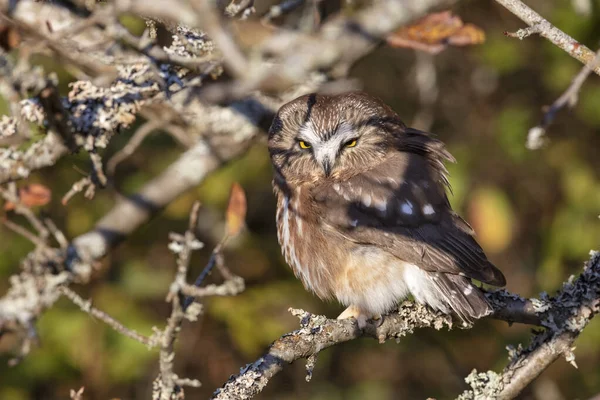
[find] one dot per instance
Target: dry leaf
(434, 32)
(467, 35)
(236, 210)
(9, 37)
(31, 195)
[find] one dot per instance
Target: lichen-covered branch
(563, 316)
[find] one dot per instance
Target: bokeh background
(535, 212)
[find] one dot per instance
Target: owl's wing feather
(401, 206)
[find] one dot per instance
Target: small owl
(362, 211)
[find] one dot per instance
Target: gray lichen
(484, 385)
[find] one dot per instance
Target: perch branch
(318, 333)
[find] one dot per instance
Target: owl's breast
(313, 253)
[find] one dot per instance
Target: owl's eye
(304, 145)
(351, 143)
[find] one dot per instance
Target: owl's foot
(356, 313)
(377, 319)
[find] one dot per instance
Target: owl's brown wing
(401, 206)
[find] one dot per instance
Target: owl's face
(317, 136)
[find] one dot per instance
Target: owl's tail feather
(464, 298)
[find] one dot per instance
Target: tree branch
(87, 307)
(575, 304)
(569, 312)
(536, 135)
(537, 24)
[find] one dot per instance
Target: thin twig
(156, 53)
(98, 168)
(210, 21)
(536, 135)
(19, 208)
(188, 382)
(212, 262)
(24, 232)
(84, 183)
(525, 32)
(85, 63)
(133, 144)
(167, 383)
(57, 233)
(545, 29)
(87, 307)
(230, 287)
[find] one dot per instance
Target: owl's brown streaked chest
(309, 249)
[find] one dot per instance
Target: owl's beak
(327, 167)
(324, 157)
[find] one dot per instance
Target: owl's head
(317, 136)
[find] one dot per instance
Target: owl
(363, 214)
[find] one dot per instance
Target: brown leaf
(467, 35)
(236, 210)
(9, 37)
(434, 32)
(31, 195)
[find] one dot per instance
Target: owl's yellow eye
(304, 145)
(351, 143)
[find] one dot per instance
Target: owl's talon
(356, 313)
(362, 321)
(377, 320)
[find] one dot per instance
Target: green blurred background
(535, 212)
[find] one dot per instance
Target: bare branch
(133, 144)
(537, 24)
(168, 383)
(230, 287)
(21, 209)
(535, 137)
(23, 232)
(87, 307)
(209, 20)
(84, 183)
(525, 32)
